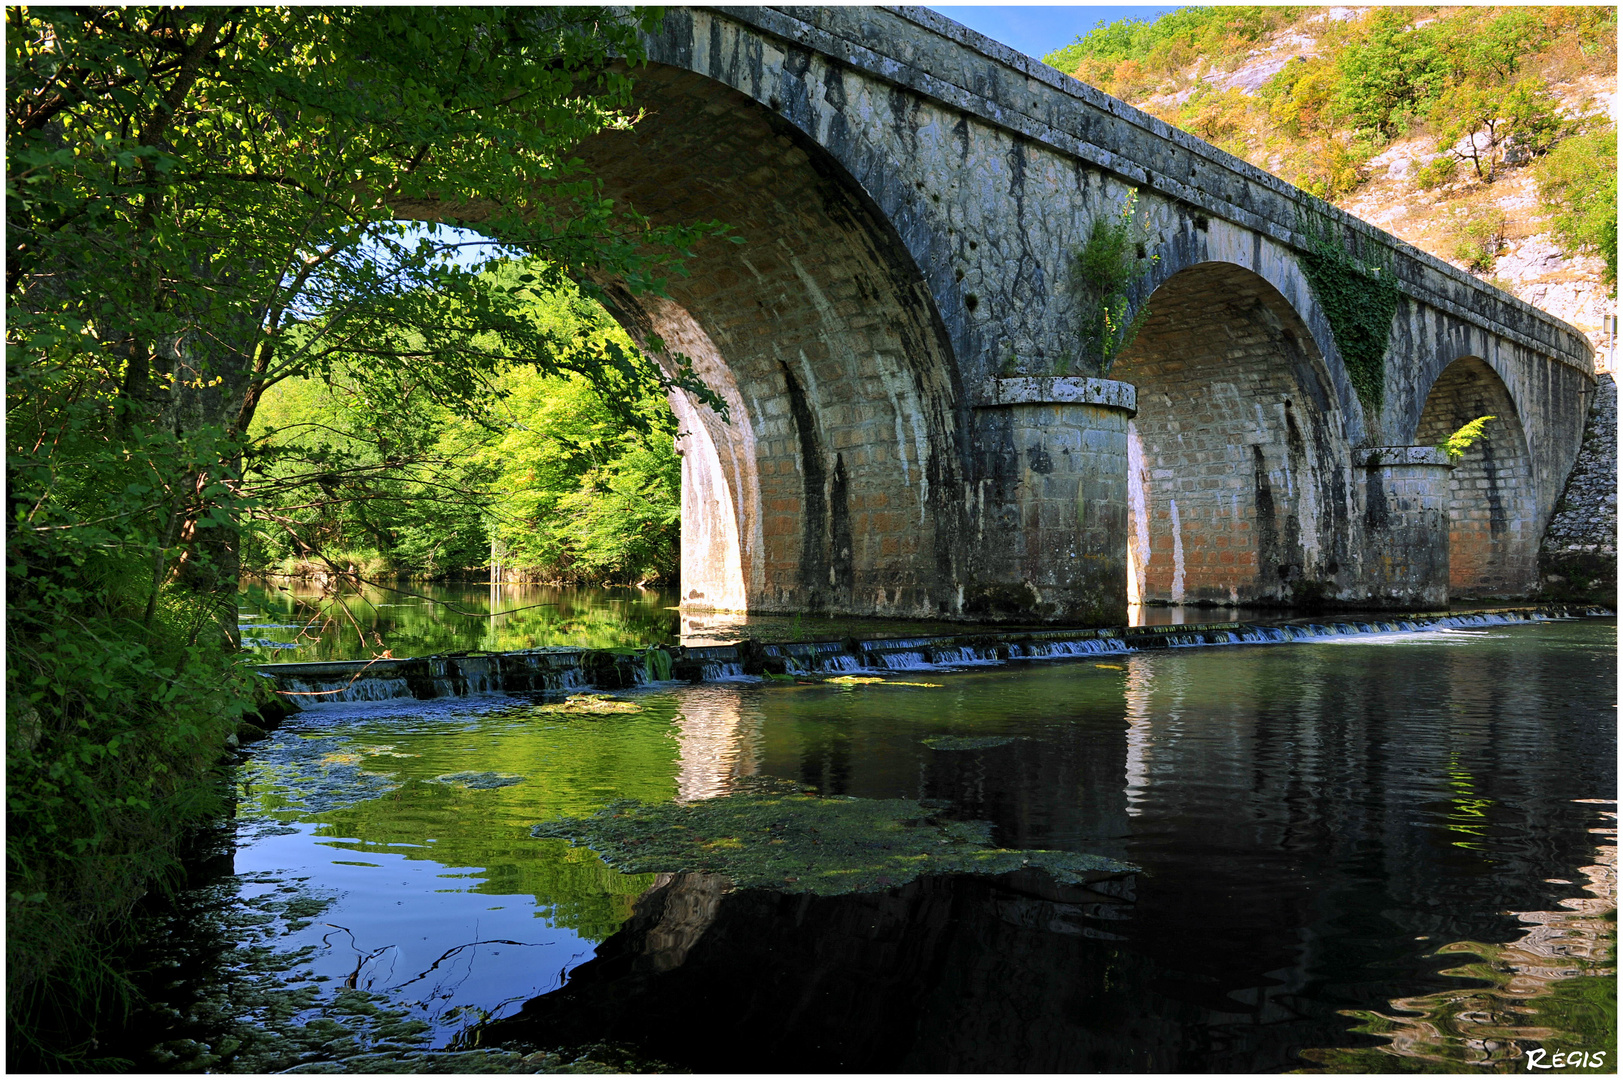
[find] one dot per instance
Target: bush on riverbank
(112, 727)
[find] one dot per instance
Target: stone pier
(894, 322)
(1406, 526)
(1051, 454)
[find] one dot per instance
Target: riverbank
(101, 808)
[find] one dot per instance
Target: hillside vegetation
(1481, 135)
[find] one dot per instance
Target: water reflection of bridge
(1312, 815)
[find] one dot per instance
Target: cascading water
(560, 669)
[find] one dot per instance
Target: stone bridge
(911, 430)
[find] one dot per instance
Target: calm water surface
(1320, 825)
(286, 620)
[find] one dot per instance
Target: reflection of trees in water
(1554, 987)
(348, 620)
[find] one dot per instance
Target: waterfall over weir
(563, 669)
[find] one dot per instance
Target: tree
(1577, 185)
(180, 204)
(1477, 123)
(201, 203)
(1391, 73)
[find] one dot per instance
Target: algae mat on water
(803, 843)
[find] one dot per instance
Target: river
(1359, 854)
(289, 620)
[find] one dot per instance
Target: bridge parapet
(929, 54)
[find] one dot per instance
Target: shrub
(113, 724)
(1478, 238)
(1326, 166)
(1215, 116)
(1577, 183)
(1301, 96)
(1109, 265)
(1437, 172)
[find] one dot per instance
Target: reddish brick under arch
(1493, 531)
(1241, 491)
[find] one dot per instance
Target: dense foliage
(203, 203)
(1578, 188)
(544, 474)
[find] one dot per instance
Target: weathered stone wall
(1579, 553)
(1051, 455)
(910, 198)
(1244, 475)
(836, 466)
(1406, 534)
(1493, 510)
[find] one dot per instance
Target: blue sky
(1038, 30)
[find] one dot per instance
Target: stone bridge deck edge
(1253, 199)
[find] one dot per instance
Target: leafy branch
(1108, 269)
(1458, 443)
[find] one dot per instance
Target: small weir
(564, 669)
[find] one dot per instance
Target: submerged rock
(478, 781)
(802, 843)
(590, 705)
(968, 742)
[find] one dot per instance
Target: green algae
(802, 843)
(589, 705)
(968, 742)
(478, 781)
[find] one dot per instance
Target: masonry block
(1406, 535)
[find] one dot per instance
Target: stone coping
(855, 36)
(1060, 390)
(1376, 457)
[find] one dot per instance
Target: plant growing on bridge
(1458, 443)
(1110, 266)
(1359, 298)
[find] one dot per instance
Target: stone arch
(1191, 241)
(1493, 520)
(837, 484)
(1238, 458)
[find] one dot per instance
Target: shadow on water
(947, 973)
(1336, 839)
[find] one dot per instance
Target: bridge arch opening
(1493, 532)
(1237, 464)
(836, 483)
